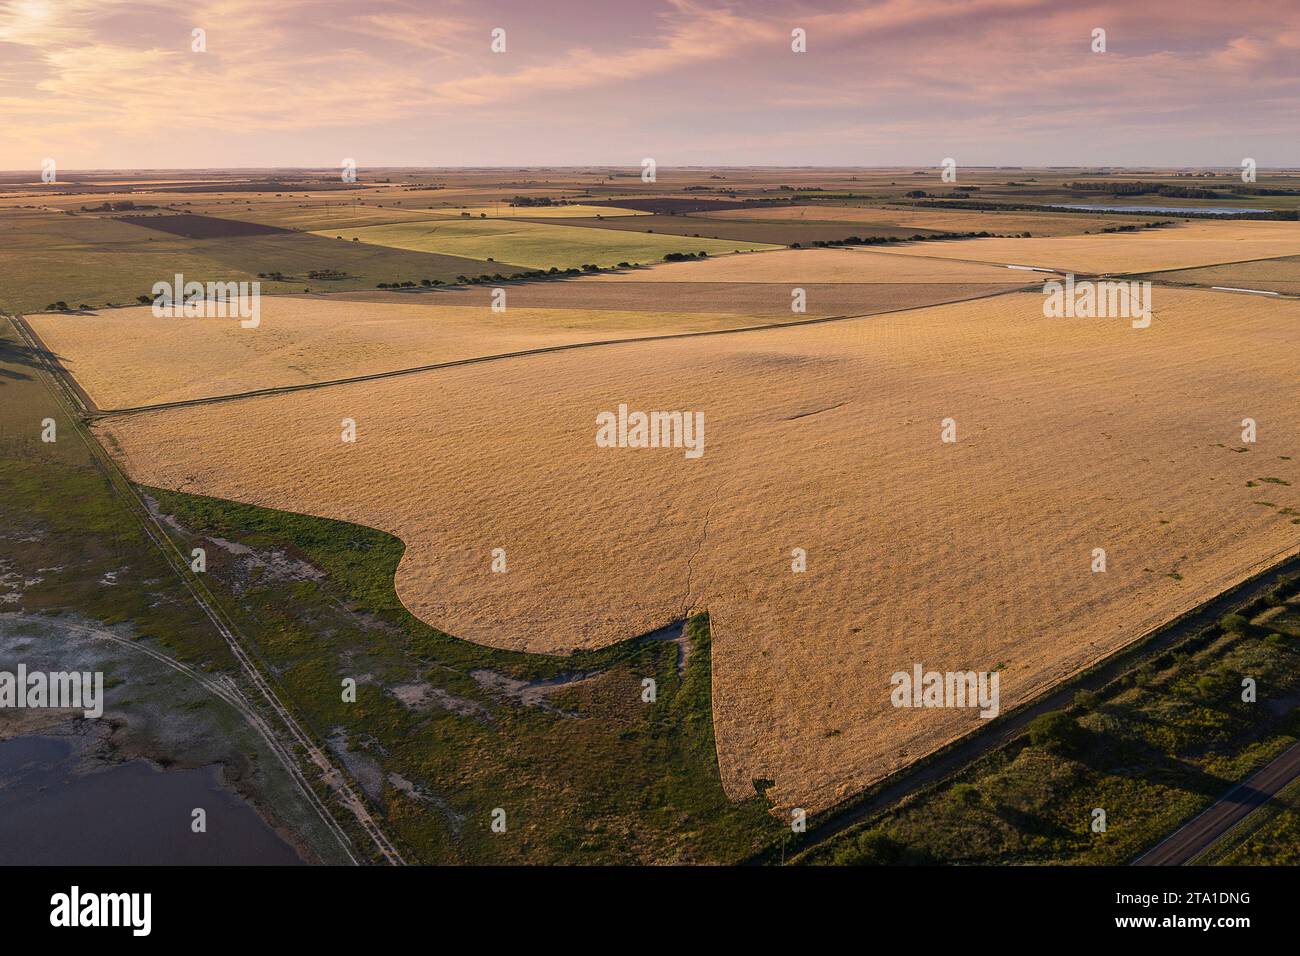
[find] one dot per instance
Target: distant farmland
(1181, 246)
(779, 232)
(202, 227)
(46, 256)
(537, 245)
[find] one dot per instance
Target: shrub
(1234, 624)
(1054, 730)
(872, 848)
(966, 793)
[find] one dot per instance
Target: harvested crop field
(1171, 247)
(127, 358)
(504, 210)
(759, 300)
(1268, 275)
(798, 266)
(872, 219)
(1072, 435)
(202, 227)
(536, 245)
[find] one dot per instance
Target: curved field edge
(443, 731)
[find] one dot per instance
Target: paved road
(1007, 727)
(1230, 809)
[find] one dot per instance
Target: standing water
(54, 812)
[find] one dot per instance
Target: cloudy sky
(116, 84)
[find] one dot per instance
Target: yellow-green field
(47, 256)
(537, 245)
(504, 210)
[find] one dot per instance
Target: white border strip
(1225, 288)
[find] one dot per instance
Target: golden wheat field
(795, 266)
(1270, 275)
(1072, 435)
(126, 358)
(757, 300)
(1181, 246)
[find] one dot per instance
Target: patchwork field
(503, 210)
(1072, 435)
(50, 256)
(127, 358)
(872, 220)
(537, 245)
(324, 215)
(1172, 247)
(192, 226)
(775, 231)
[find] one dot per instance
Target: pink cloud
(296, 82)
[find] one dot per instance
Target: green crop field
(750, 231)
(538, 245)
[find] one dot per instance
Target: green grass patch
(588, 773)
(539, 245)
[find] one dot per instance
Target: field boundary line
(98, 413)
(1078, 272)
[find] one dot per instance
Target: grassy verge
(70, 548)
(1151, 749)
(1270, 836)
(443, 732)
(68, 544)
